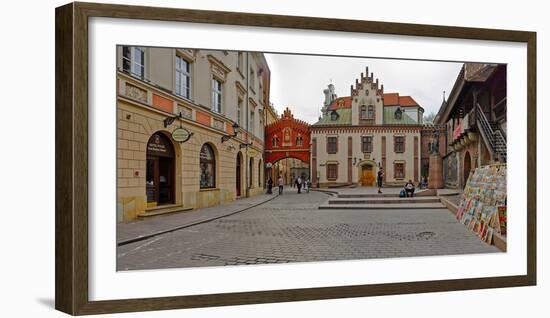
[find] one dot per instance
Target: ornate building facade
(474, 117)
(218, 98)
(287, 148)
(360, 134)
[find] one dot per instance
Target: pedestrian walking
(281, 183)
(270, 186)
(307, 185)
(379, 179)
(299, 184)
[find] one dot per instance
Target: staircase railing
(494, 137)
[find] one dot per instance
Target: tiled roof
(393, 99)
(405, 101)
(390, 99)
(344, 117)
(340, 102)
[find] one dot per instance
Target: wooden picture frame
(71, 122)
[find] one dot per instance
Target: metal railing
(492, 133)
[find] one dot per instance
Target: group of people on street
(300, 183)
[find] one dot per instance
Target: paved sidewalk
(128, 232)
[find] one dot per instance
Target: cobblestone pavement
(290, 228)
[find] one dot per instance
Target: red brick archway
(287, 138)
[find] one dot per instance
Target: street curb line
(325, 191)
(179, 227)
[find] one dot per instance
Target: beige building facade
(366, 132)
(217, 98)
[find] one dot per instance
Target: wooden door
(367, 175)
(238, 175)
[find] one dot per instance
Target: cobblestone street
(291, 228)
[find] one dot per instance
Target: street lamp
(235, 132)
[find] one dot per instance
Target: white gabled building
(357, 135)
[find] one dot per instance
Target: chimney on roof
(382, 88)
(376, 83)
(367, 71)
(371, 75)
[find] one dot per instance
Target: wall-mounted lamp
(168, 121)
(235, 132)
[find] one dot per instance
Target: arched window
(299, 141)
(370, 112)
(275, 141)
(207, 167)
(363, 113)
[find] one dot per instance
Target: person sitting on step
(409, 188)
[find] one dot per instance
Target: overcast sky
(298, 81)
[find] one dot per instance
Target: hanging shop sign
(181, 135)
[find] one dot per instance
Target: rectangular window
(251, 80)
(366, 143)
(239, 111)
(251, 124)
(216, 96)
(240, 61)
(363, 113)
(332, 171)
(183, 77)
(399, 170)
(133, 60)
(399, 144)
(332, 144)
(370, 113)
(260, 91)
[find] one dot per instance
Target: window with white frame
(366, 143)
(251, 123)
(217, 87)
(133, 60)
(183, 77)
(239, 111)
(252, 79)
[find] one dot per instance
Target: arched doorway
(367, 174)
(238, 174)
(467, 167)
(159, 175)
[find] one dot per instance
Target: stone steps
(384, 200)
(382, 206)
(369, 195)
(160, 210)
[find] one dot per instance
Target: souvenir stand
(482, 207)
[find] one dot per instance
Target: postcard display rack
(482, 207)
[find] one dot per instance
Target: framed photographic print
(211, 158)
